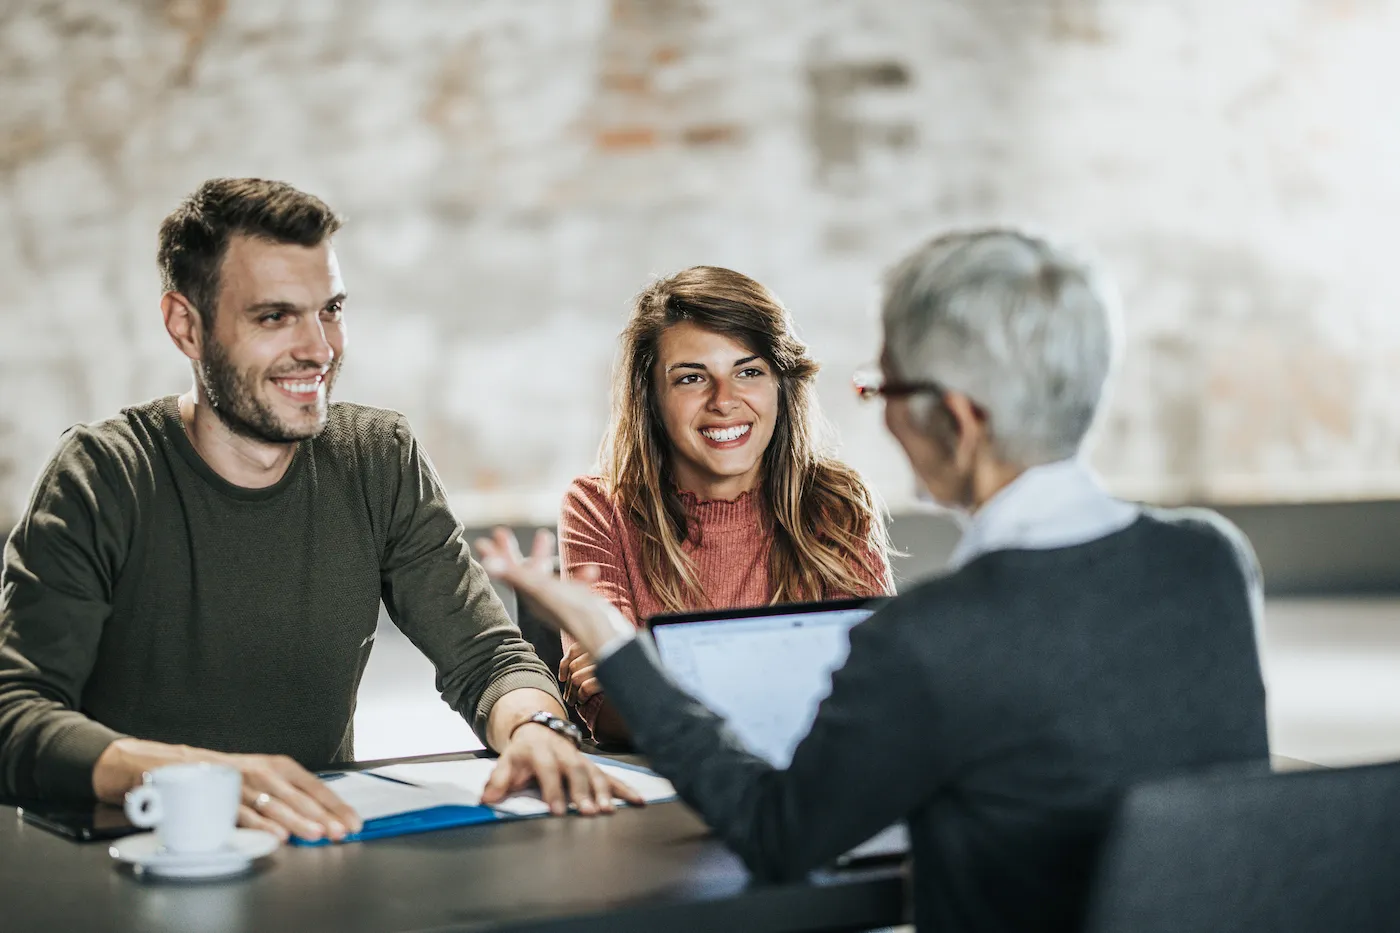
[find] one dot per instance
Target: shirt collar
(1055, 505)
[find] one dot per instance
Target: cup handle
(142, 806)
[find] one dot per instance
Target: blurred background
(513, 171)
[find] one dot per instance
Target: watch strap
(555, 724)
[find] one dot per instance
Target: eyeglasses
(870, 385)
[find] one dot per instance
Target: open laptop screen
(764, 670)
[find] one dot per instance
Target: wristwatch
(557, 725)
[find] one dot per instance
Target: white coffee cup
(193, 807)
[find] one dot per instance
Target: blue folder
(422, 821)
(418, 821)
(414, 821)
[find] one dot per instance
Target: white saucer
(145, 852)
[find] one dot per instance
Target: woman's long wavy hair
(826, 521)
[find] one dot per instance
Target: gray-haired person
(1076, 644)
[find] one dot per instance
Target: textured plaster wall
(514, 170)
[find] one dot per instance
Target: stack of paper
(462, 782)
(374, 798)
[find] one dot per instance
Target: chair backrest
(1242, 850)
(543, 638)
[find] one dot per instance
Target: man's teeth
(726, 434)
(303, 388)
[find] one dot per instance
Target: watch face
(568, 728)
(561, 726)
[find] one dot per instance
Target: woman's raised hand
(564, 604)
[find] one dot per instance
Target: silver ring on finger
(261, 800)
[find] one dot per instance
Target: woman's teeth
(726, 434)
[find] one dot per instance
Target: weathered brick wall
(514, 170)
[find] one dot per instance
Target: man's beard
(234, 399)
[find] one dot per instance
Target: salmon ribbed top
(728, 542)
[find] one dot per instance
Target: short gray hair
(1024, 328)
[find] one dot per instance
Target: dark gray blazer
(1001, 710)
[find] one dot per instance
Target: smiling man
(199, 578)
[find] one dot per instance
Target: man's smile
(302, 387)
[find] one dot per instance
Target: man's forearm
(514, 708)
(46, 749)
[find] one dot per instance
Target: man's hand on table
(536, 754)
(279, 795)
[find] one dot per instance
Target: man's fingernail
(337, 829)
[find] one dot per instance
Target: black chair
(544, 639)
(1244, 850)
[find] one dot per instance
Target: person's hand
(564, 774)
(569, 605)
(578, 674)
(279, 795)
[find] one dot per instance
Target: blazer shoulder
(1204, 527)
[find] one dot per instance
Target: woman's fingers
(500, 556)
(542, 551)
(508, 544)
(579, 675)
(568, 605)
(496, 563)
(581, 665)
(566, 663)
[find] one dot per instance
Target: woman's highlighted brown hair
(825, 519)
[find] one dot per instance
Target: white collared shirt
(1055, 505)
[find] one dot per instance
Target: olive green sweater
(144, 595)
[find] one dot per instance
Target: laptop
(766, 670)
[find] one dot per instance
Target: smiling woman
(715, 490)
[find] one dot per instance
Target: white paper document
(373, 797)
(463, 781)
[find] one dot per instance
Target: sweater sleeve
(587, 535)
(60, 565)
(861, 768)
(440, 597)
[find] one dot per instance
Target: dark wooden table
(653, 869)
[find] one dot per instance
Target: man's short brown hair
(195, 236)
